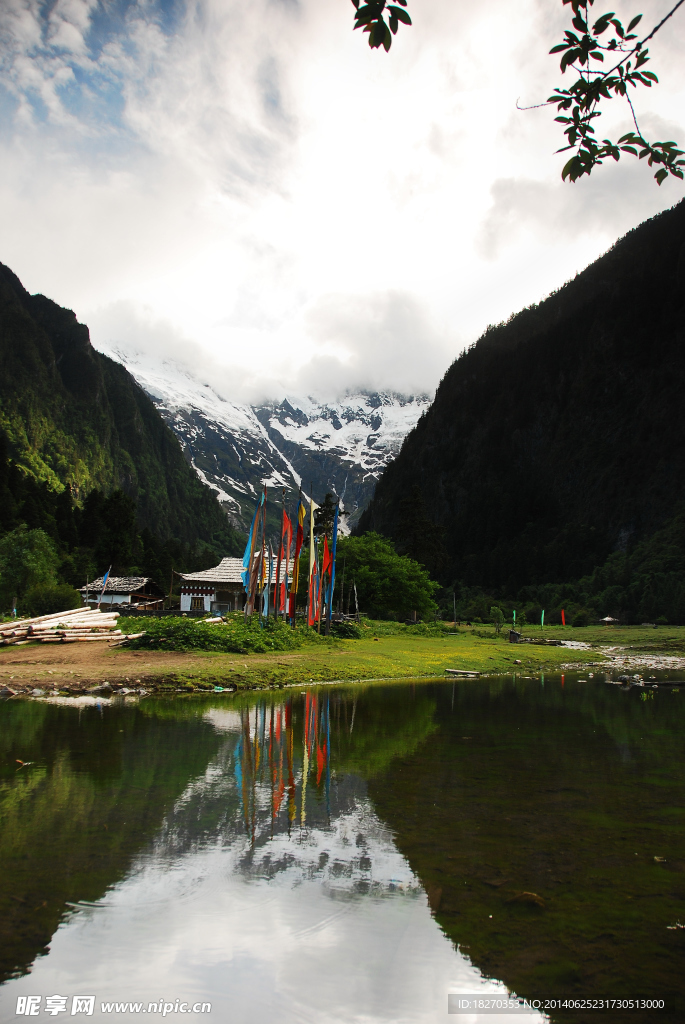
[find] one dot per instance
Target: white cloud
(289, 205)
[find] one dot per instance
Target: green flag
(542, 618)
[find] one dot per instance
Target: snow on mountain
(340, 446)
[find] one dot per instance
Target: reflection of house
(137, 590)
(216, 590)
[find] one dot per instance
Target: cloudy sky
(246, 187)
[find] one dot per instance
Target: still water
(344, 854)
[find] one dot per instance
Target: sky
(249, 190)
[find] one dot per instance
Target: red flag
(327, 559)
(301, 512)
(563, 618)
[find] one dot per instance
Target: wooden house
(216, 590)
(139, 591)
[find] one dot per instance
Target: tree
(324, 516)
(417, 536)
(28, 558)
(497, 618)
(390, 586)
(582, 52)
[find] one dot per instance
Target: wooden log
(75, 632)
(54, 617)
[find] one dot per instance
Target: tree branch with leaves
(583, 51)
(371, 17)
(579, 106)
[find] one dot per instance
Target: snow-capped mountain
(340, 446)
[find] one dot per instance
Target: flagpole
(104, 586)
(277, 592)
(329, 610)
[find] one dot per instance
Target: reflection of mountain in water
(278, 804)
(108, 786)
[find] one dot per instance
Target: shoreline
(75, 669)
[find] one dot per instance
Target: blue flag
(245, 574)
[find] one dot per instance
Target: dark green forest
(550, 469)
(74, 417)
(50, 544)
(90, 475)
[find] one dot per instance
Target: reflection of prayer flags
(319, 763)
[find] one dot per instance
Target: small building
(216, 590)
(139, 591)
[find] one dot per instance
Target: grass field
(386, 651)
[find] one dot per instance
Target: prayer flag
(326, 557)
(299, 537)
(332, 583)
(249, 547)
(563, 618)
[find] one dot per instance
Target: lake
(345, 854)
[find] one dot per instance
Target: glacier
(295, 442)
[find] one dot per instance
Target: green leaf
(660, 175)
(559, 47)
(400, 15)
(602, 24)
(634, 22)
(387, 39)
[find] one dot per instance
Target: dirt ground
(82, 665)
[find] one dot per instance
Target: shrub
(346, 630)
(44, 599)
(581, 618)
(169, 633)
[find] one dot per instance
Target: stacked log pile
(77, 625)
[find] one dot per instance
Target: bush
(44, 599)
(28, 559)
(581, 618)
(169, 633)
(346, 630)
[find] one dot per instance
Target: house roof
(227, 571)
(118, 584)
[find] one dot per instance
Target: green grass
(387, 650)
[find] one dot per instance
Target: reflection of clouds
(312, 942)
(315, 917)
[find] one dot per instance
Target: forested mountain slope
(559, 437)
(72, 416)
